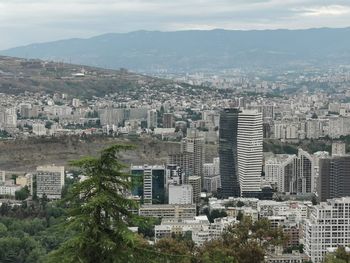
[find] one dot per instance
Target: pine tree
(98, 211)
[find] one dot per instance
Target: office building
(250, 152)
(149, 183)
(228, 153)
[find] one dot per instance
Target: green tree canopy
(98, 211)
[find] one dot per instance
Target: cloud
(27, 21)
(331, 10)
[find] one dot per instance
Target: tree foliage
(98, 211)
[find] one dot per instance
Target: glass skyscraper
(228, 152)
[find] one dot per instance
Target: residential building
(195, 182)
(338, 149)
(152, 119)
(39, 129)
(168, 211)
(327, 227)
(49, 181)
(168, 120)
(180, 194)
(334, 177)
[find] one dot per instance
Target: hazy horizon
(165, 31)
(35, 21)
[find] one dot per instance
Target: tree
(239, 215)
(22, 194)
(240, 204)
(216, 214)
(98, 211)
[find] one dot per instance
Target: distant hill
(19, 75)
(149, 51)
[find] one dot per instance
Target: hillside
(25, 155)
(19, 75)
(149, 51)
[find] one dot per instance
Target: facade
(250, 152)
(327, 227)
(228, 153)
(180, 194)
(49, 181)
(334, 177)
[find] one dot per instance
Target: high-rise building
(49, 181)
(228, 152)
(334, 177)
(195, 182)
(250, 152)
(327, 227)
(299, 174)
(192, 155)
(211, 176)
(152, 119)
(168, 120)
(194, 145)
(149, 183)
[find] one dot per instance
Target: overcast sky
(28, 21)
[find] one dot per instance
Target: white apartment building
(180, 194)
(152, 121)
(168, 211)
(195, 182)
(200, 227)
(250, 151)
(9, 190)
(274, 172)
(327, 227)
(39, 129)
(50, 181)
(338, 149)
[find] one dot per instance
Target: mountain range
(197, 50)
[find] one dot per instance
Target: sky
(31, 21)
